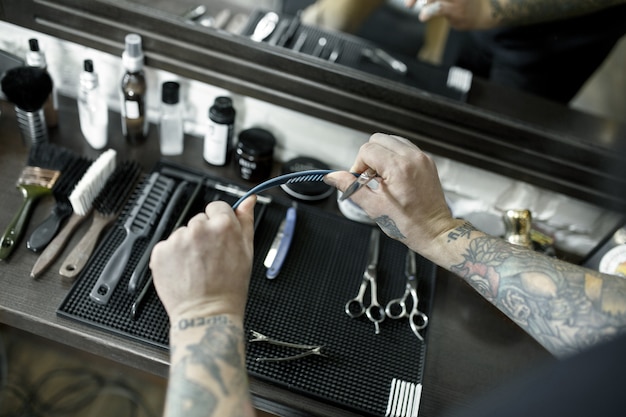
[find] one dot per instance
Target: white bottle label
(132, 109)
(216, 144)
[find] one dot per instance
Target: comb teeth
(50, 156)
(117, 189)
(156, 194)
(38, 176)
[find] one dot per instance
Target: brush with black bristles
(61, 190)
(107, 207)
(29, 88)
(81, 199)
(44, 166)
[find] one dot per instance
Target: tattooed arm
(487, 14)
(201, 273)
(563, 306)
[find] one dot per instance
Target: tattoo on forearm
(464, 230)
(389, 227)
(532, 11)
(566, 308)
(218, 354)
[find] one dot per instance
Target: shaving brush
(28, 89)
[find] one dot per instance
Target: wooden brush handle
(78, 257)
(15, 229)
(52, 251)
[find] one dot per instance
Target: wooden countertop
(472, 347)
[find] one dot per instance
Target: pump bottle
(133, 92)
(92, 108)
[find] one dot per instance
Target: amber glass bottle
(133, 93)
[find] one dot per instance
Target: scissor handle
(418, 321)
(396, 308)
(355, 308)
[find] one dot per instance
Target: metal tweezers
(308, 349)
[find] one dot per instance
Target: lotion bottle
(219, 134)
(35, 57)
(93, 112)
(171, 133)
(133, 92)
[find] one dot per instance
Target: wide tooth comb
(107, 205)
(45, 164)
(138, 225)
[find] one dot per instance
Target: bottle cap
(170, 92)
(222, 110)
(34, 57)
(88, 78)
(88, 65)
(257, 142)
(132, 58)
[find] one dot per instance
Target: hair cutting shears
(397, 308)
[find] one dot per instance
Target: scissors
(397, 308)
(355, 307)
(365, 177)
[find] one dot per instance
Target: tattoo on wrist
(462, 231)
(389, 227)
(189, 323)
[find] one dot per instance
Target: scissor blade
(410, 266)
(374, 248)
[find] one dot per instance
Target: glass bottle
(171, 133)
(93, 112)
(133, 92)
(218, 140)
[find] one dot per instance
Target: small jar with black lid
(255, 154)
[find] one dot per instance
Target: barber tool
(397, 309)
(308, 350)
(316, 175)
(334, 55)
(404, 399)
(142, 266)
(81, 199)
(45, 163)
(265, 27)
(28, 88)
(135, 309)
(380, 57)
(61, 190)
(365, 177)
(355, 307)
(299, 43)
(288, 35)
(282, 27)
(280, 246)
(107, 206)
(319, 48)
(137, 225)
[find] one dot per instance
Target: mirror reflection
(538, 47)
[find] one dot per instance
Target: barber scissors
(397, 308)
(355, 307)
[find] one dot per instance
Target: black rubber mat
(303, 305)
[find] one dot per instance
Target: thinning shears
(355, 307)
(397, 308)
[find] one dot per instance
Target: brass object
(518, 224)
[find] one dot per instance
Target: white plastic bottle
(93, 112)
(171, 135)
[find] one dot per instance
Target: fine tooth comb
(138, 224)
(81, 199)
(314, 175)
(61, 190)
(107, 205)
(45, 164)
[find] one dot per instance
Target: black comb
(61, 190)
(108, 205)
(138, 225)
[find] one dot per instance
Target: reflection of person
(546, 47)
(201, 274)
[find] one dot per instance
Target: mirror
(382, 37)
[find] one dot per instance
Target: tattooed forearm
(462, 231)
(565, 307)
(511, 12)
(208, 375)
